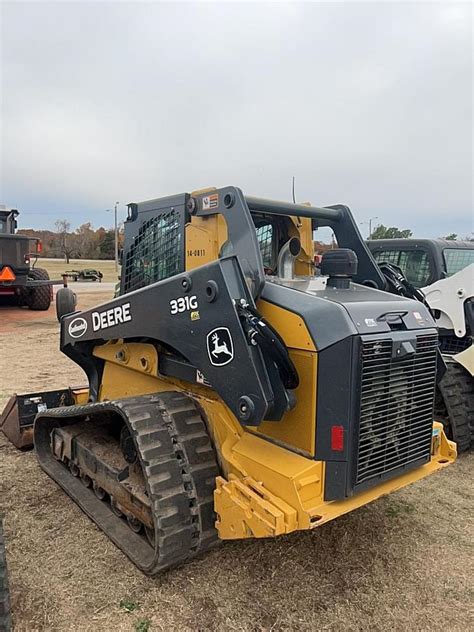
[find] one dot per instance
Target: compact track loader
(233, 395)
(440, 274)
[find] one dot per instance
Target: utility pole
(369, 222)
(116, 237)
(370, 225)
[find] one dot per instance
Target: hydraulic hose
(261, 333)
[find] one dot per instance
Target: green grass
(140, 625)
(128, 605)
(56, 267)
(399, 509)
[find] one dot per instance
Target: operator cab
(424, 261)
(8, 221)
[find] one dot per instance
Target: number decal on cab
(183, 304)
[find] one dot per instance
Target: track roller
(99, 491)
(115, 507)
(86, 480)
(73, 468)
(135, 525)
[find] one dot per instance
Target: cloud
(367, 104)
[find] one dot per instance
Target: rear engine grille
(396, 408)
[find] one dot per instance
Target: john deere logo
(220, 347)
(77, 327)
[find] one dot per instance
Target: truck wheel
(39, 298)
(5, 619)
(454, 404)
(65, 302)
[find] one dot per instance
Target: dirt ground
(404, 562)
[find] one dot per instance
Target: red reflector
(337, 438)
(7, 274)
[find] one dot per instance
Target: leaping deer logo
(220, 347)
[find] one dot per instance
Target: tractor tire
(65, 302)
(5, 618)
(39, 298)
(454, 404)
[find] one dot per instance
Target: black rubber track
(455, 404)
(5, 620)
(179, 467)
(39, 298)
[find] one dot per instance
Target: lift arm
(203, 321)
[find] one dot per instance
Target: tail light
(39, 246)
(337, 438)
(27, 259)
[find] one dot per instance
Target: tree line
(392, 232)
(84, 242)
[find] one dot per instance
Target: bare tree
(65, 245)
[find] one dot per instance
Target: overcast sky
(367, 104)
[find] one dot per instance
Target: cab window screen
(390, 256)
(414, 264)
(457, 259)
(265, 241)
(156, 253)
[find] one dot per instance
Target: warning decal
(210, 201)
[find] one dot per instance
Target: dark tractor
(20, 282)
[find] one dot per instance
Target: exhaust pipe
(286, 258)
